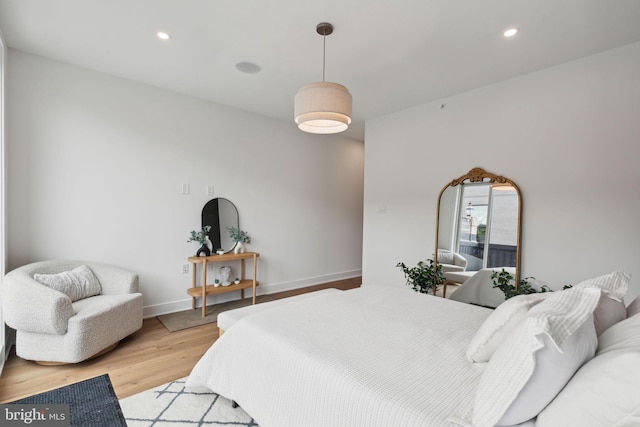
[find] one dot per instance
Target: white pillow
(497, 326)
(509, 314)
(611, 308)
(608, 312)
(604, 392)
(445, 257)
(634, 307)
(615, 284)
(77, 284)
(623, 335)
(537, 359)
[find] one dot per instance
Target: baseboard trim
(298, 286)
(303, 283)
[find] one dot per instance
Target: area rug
(91, 403)
(191, 318)
(172, 405)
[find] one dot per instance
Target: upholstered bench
(226, 319)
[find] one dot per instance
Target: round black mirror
(220, 213)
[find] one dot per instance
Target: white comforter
(372, 356)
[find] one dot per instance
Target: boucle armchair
(451, 261)
(53, 329)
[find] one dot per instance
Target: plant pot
(203, 251)
(238, 248)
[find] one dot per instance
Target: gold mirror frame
(479, 175)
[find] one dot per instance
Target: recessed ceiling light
(511, 32)
(248, 67)
(163, 35)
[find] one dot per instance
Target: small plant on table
(199, 236)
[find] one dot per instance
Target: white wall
(4, 345)
(96, 166)
(569, 136)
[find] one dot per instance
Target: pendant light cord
(324, 52)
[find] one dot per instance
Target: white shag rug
(171, 405)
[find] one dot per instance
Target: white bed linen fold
(371, 356)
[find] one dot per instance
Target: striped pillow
(538, 358)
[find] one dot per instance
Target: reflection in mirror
(478, 225)
(220, 213)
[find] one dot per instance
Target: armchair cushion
(445, 257)
(77, 284)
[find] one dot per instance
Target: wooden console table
(203, 290)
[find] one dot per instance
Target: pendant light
(323, 107)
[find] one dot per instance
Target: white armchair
(53, 329)
(451, 261)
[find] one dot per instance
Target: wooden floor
(150, 357)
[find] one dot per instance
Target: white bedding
(371, 356)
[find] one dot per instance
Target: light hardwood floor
(150, 357)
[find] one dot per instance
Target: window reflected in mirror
(487, 231)
(478, 224)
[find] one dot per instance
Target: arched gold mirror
(478, 225)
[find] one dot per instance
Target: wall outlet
(185, 268)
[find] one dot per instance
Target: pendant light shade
(323, 107)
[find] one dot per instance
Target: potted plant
(237, 281)
(504, 281)
(424, 278)
(240, 238)
(201, 237)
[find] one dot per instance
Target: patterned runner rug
(171, 405)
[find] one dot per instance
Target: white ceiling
(391, 55)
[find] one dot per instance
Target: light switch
(185, 189)
(209, 190)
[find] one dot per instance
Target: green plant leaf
(423, 278)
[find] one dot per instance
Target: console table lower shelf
(213, 290)
(202, 290)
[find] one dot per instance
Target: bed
(387, 356)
